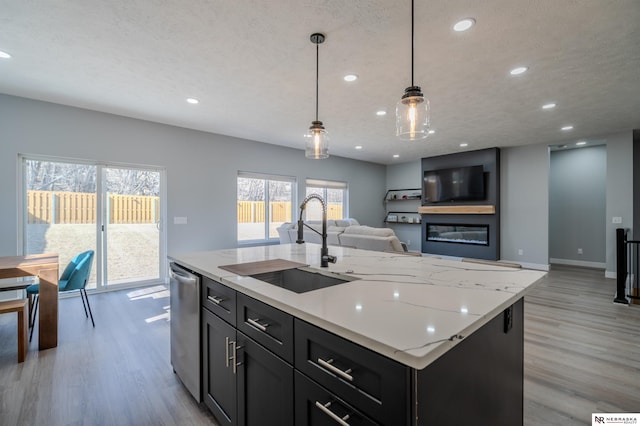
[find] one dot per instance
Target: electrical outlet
(408, 242)
(520, 252)
(180, 220)
(579, 251)
(616, 219)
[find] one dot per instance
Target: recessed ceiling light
(549, 106)
(381, 112)
(193, 101)
(581, 143)
(431, 131)
(4, 55)
(518, 71)
(464, 24)
(358, 146)
(565, 128)
(396, 155)
(464, 145)
(350, 77)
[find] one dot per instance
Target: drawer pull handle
(328, 365)
(216, 300)
(256, 324)
(325, 409)
(226, 351)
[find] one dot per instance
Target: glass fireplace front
(460, 234)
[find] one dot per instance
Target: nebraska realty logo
(615, 419)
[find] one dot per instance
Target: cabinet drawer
(267, 325)
(219, 299)
(372, 383)
(316, 406)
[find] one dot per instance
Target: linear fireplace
(458, 233)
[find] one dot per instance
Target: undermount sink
(301, 280)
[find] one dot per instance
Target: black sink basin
(303, 280)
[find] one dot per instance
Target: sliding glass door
(132, 225)
(71, 207)
(60, 210)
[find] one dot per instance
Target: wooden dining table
(45, 267)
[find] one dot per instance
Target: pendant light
(412, 111)
(317, 139)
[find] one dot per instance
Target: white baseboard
(527, 265)
(583, 263)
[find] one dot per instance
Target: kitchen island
(410, 341)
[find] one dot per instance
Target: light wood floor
(116, 374)
(582, 355)
(582, 351)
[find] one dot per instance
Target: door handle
(235, 356)
(226, 351)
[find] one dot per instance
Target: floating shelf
(483, 209)
(403, 194)
(403, 217)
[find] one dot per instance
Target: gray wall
(524, 192)
(619, 192)
(636, 181)
(201, 167)
(577, 206)
(406, 176)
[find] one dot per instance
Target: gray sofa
(345, 232)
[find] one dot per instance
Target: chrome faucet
(325, 257)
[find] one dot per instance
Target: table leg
(48, 321)
(23, 343)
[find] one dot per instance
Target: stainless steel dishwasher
(184, 288)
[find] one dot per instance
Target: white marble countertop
(410, 309)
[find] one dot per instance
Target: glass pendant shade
(317, 142)
(412, 115)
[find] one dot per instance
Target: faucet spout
(325, 257)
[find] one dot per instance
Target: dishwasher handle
(180, 274)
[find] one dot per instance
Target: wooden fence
(60, 207)
(253, 211)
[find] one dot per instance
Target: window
(70, 206)
(264, 203)
(335, 196)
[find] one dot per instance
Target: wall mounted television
(454, 184)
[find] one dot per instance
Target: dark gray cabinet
(267, 325)
(219, 386)
(265, 386)
(261, 366)
(316, 406)
(244, 384)
(370, 382)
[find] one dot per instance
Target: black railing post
(621, 266)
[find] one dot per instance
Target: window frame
(101, 215)
(267, 178)
(323, 185)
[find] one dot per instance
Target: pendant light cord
(317, 75)
(412, 43)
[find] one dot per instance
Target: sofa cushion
(368, 230)
(371, 242)
(346, 222)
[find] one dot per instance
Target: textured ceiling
(252, 66)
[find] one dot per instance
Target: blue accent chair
(74, 277)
